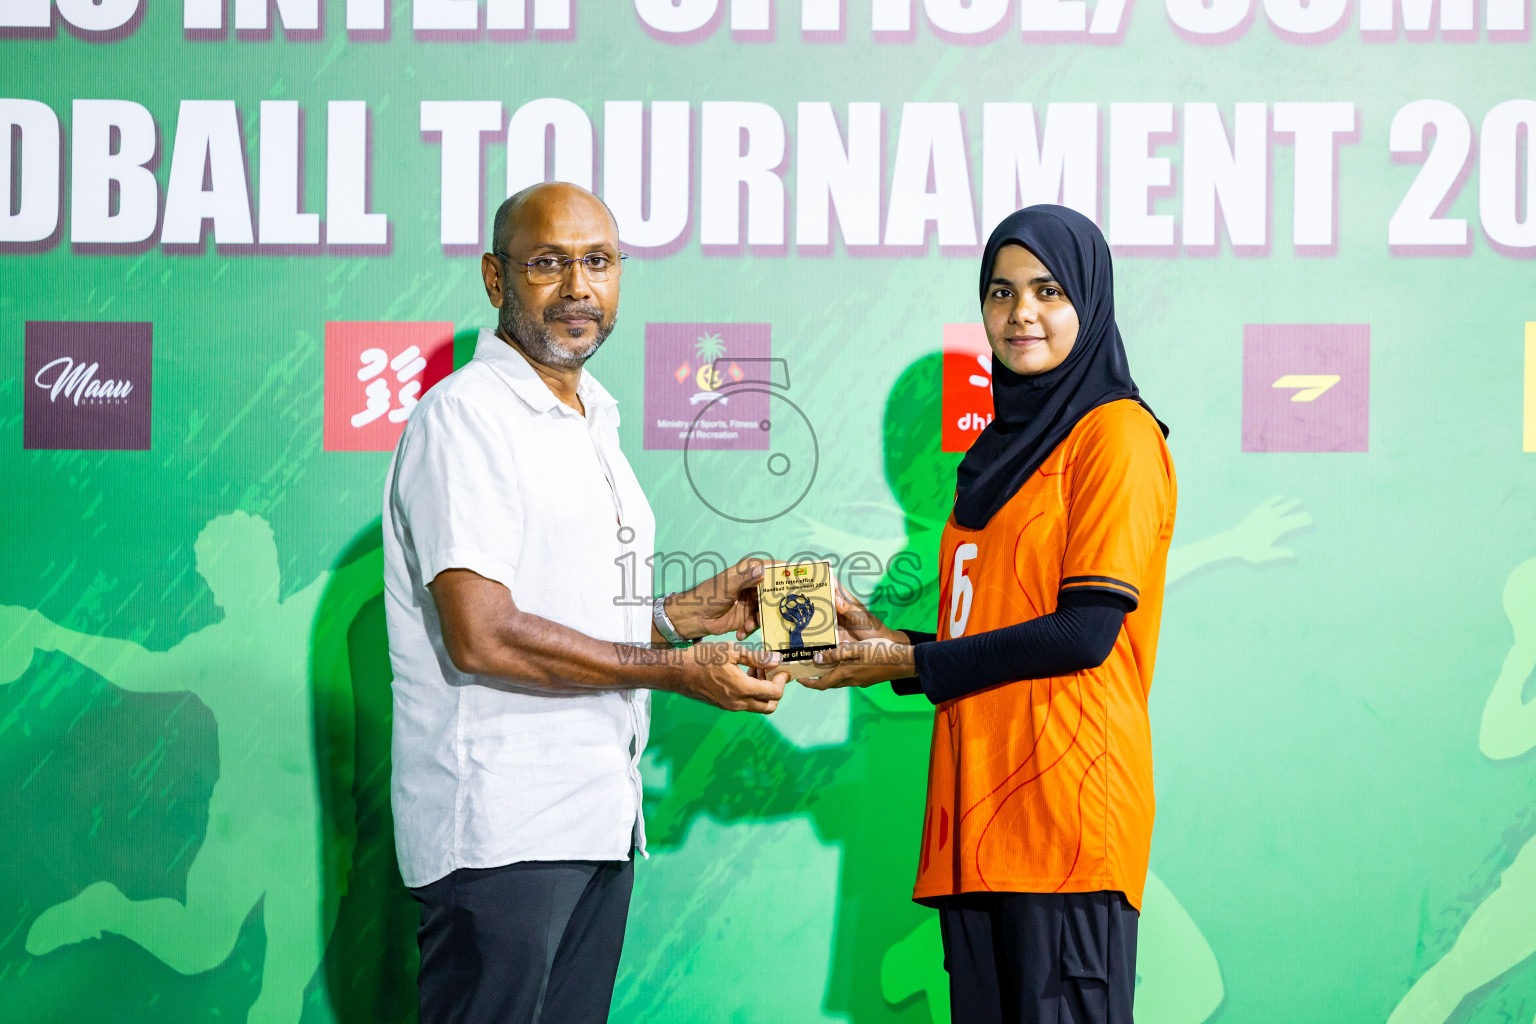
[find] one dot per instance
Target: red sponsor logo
(375, 373)
(967, 385)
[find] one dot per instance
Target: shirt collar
(510, 365)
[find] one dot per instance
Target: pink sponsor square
(1306, 387)
(87, 386)
(703, 386)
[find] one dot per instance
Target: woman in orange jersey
(1039, 820)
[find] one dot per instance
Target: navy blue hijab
(1033, 414)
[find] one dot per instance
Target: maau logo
(375, 373)
(75, 381)
(89, 385)
(967, 402)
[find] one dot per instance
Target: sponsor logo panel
(967, 401)
(87, 385)
(1306, 387)
(691, 375)
(375, 373)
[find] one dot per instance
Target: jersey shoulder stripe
(1104, 584)
(1068, 581)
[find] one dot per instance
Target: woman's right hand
(857, 622)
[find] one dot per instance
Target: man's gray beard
(533, 333)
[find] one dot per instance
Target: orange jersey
(1046, 785)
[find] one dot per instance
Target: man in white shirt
(514, 533)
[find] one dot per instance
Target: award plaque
(798, 613)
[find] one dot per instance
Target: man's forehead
(564, 219)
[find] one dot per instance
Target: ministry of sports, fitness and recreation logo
(375, 373)
(1306, 387)
(87, 385)
(967, 403)
(690, 371)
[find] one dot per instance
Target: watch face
(796, 608)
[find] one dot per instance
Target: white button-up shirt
(494, 474)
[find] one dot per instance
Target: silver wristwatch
(664, 625)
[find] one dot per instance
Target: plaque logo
(798, 611)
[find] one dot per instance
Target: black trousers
(528, 942)
(1040, 958)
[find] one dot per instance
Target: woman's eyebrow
(1042, 279)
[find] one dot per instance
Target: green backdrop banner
(241, 239)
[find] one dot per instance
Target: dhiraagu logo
(967, 397)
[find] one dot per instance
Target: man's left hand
(725, 603)
(862, 663)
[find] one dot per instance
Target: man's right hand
(712, 673)
(486, 635)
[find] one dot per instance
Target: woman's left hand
(861, 663)
(856, 622)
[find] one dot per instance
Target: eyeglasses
(550, 269)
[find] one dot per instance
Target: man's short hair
(509, 207)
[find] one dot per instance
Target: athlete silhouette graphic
(1502, 931)
(264, 837)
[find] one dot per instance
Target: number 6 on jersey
(960, 591)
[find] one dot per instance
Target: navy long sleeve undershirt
(1078, 635)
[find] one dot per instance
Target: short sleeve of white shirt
(452, 468)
